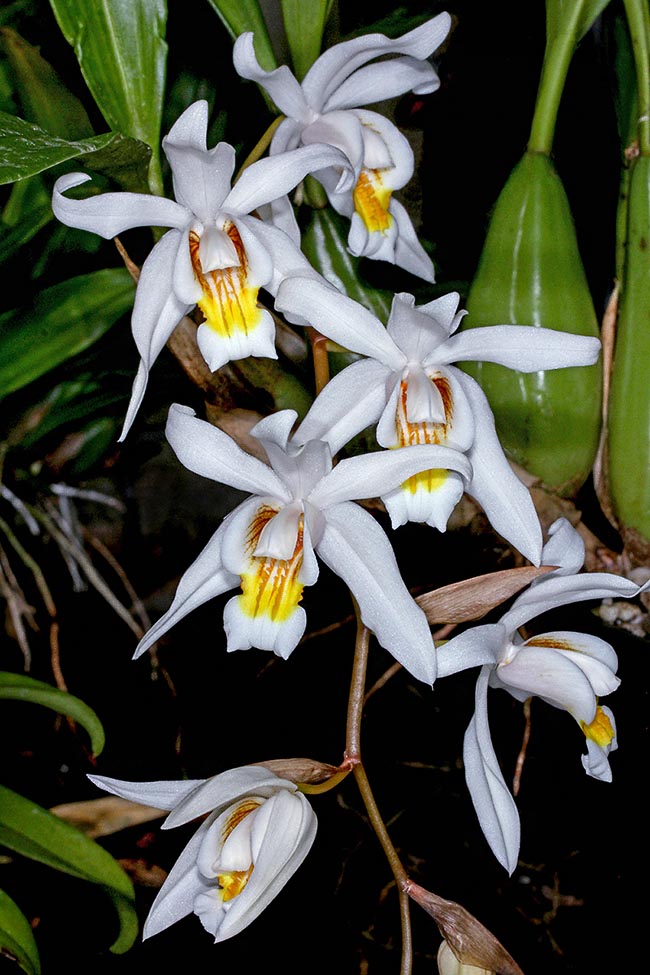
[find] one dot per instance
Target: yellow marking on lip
(423, 433)
(229, 303)
(371, 200)
(232, 882)
(271, 586)
(240, 812)
(600, 729)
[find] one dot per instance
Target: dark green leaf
(121, 49)
(33, 832)
(26, 149)
(44, 99)
(18, 687)
(304, 23)
(63, 321)
(16, 938)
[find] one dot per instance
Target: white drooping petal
(176, 898)
(158, 795)
(525, 348)
(339, 318)
(355, 547)
(337, 63)
(280, 84)
(382, 471)
(351, 401)
(408, 250)
(274, 176)
(221, 790)
(203, 580)
(564, 548)
(282, 834)
(430, 502)
(507, 502)
(108, 214)
(473, 647)
(494, 805)
(208, 451)
(541, 671)
(379, 82)
(559, 590)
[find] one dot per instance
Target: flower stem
(638, 20)
(260, 148)
(353, 758)
(319, 354)
(557, 57)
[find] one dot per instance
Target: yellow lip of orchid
(371, 201)
(229, 301)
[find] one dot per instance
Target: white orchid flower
(326, 108)
(300, 506)
(217, 255)
(568, 670)
(408, 384)
(258, 830)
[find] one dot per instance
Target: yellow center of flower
(371, 199)
(600, 729)
(229, 302)
(232, 882)
(423, 433)
(271, 587)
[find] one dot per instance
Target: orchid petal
(423, 504)
(339, 318)
(208, 451)
(158, 795)
(273, 176)
(217, 350)
(594, 656)
(157, 310)
(541, 671)
(559, 590)
(338, 62)
(382, 471)
(381, 137)
(222, 790)
(445, 311)
(202, 581)
(275, 428)
(191, 126)
(386, 432)
(526, 349)
(351, 401)
(176, 897)
(280, 84)
(286, 257)
(283, 833)
(494, 805)
(494, 485)
(596, 761)
(340, 129)
(379, 82)
(473, 647)
(201, 178)
(280, 637)
(416, 333)
(564, 548)
(355, 547)
(409, 252)
(108, 214)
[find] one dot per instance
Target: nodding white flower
(301, 506)
(325, 108)
(568, 670)
(259, 828)
(408, 384)
(217, 255)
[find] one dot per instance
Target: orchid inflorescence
(232, 247)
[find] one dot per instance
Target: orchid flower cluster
(232, 258)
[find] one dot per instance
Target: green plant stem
(638, 20)
(353, 758)
(557, 57)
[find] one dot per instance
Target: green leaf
(304, 23)
(33, 832)
(240, 16)
(26, 149)
(121, 49)
(16, 938)
(559, 12)
(18, 687)
(44, 98)
(72, 401)
(63, 321)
